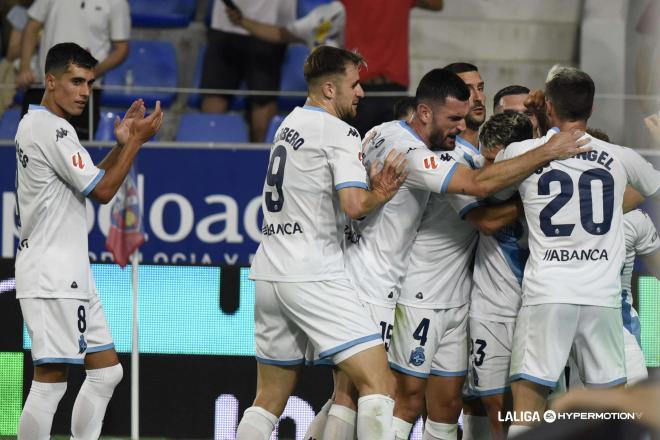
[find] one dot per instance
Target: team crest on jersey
(82, 344)
(60, 133)
(430, 163)
(417, 356)
(77, 161)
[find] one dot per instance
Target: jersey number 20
(586, 201)
(275, 177)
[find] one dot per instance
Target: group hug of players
(484, 254)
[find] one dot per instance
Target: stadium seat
(149, 63)
(273, 125)
(239, 103)
(106, 128)
(162, 13)
(292, 76)
(9, 123)
(212, 127)
(304, 6)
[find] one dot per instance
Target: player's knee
(105, 380)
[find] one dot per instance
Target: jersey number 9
(275, 177)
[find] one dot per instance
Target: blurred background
(199, 182)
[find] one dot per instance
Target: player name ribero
(291, 137)
(575, 255)
(600, 157)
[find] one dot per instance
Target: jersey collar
(315, 108)
(410, 130)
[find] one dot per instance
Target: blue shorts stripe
(408, 372)
(100, 348)
(448, 373)
(523, 376)
(486, 393)
(342, 347)
(620, 381)
(280, 363)
(73, 361)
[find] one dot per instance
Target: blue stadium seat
(304, 6)
(9, 123)
(149, 63)
(212, 127)
(239, 103)
(106, 128)
(292, 76)
(162, 13)
(273, 125)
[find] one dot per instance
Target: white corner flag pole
(135, 355)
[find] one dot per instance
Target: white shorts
(325, 314)
(64, 330)
(382, 316)
(546, 334)
(490, 357)
(635, 362)
(430, 341)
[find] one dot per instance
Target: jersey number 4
(275, 178)
(586, 201)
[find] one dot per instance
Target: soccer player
(378, 246)
(513, 98)
(468, 141)
(303, 293)
(323, 25)
(54, 281)
(572, 287)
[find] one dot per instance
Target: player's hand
(25, 78)
(653, 126)
(567, 144)
(535, 104)
(235, 15)
(390, 178)
(123, 127)
(143, 128)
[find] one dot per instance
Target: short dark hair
(571, 92)
(328, 60)
(508, 91)
(438, 85)
(505, 128)
(60, 56)
(404, 106)
(598, 134)
(461, 67)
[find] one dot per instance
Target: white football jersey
(499, 265)
(573, 209)
(54, 175)
(641, 239)
(439, 274)
(378, 246)
(471, 154)
(324, 25)
(314, 154)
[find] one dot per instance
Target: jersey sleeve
(39, 10)
(345, 157)
(647, 236)
(463, 203)
(641, 174)
(430, 171)
(70, 160)
(120, 21)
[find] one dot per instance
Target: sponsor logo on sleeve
(77, 161)
(353, 132)
(430, 163)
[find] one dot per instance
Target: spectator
(382, 38)
(233, 55)
(17, 19)
(100, 26)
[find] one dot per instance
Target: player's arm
(141, 130)
(29, 42)
(433, 5)
(486, 181)
(116, 56)
(264, 31)
(491, 218)
(641, 174)
(358, 202)
(631, 199)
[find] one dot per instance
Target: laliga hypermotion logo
(77, 161)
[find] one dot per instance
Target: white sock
(40, 406)
(315, 430)
(401, 428)
(440, 431)
(476, 427)
(516, 430)
(340, 424)
(256, 424)
(92, 401)
(374, 420)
